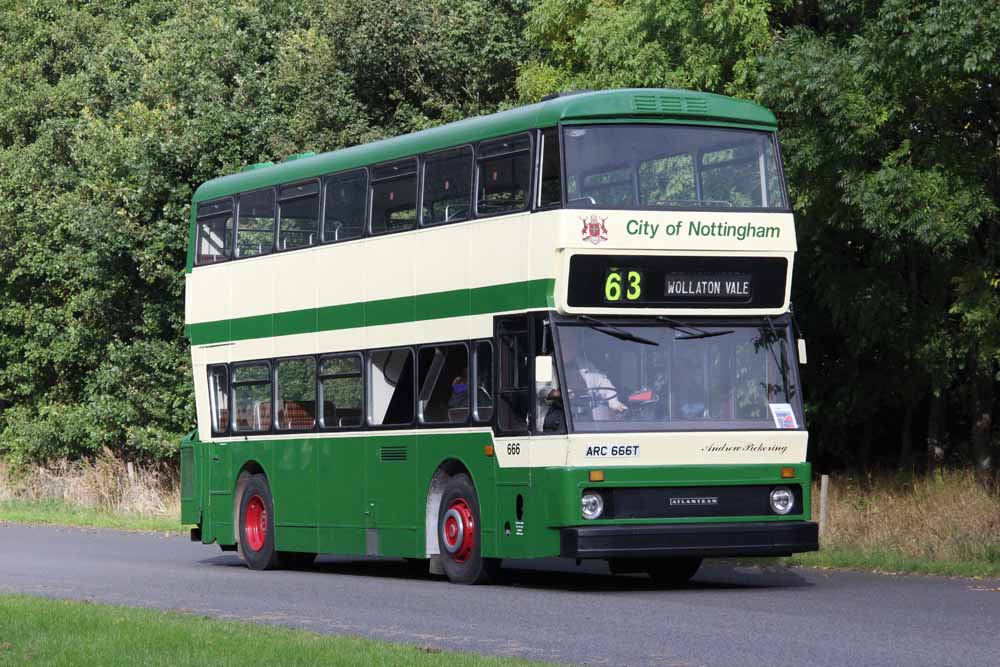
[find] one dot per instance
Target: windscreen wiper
(614, 331)
(691, 332)
(783, 364)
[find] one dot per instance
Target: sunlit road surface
(551, 610)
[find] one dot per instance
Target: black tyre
(460, 535)
(256, 525)
(673, 572)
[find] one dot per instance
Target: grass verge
(59, 513)
(56, 632)
(944, 524)
(891, 563)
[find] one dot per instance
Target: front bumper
(761, 538)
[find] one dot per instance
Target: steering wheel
(598, 395)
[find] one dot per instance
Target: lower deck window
(218, 397)
(444, 385)
(252, 398)
(341, 390)
(295, 388)
(390, 390)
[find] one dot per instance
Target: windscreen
(670, 166)
(655, 378)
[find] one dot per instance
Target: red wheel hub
(255, 523)
(459, 530)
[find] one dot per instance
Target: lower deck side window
(295, 389)
(482, 380)
(252, 398)
(390, 389)
(341, 390)
(444, 385)
(218, 397)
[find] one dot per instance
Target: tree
(115, 112)
(579, 44)
(890, 117)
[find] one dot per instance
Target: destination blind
(657, 281)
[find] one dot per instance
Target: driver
(587, 385)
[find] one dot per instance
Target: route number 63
(613, 285)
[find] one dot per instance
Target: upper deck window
(298, 215)
(394, 196)
(670, 167)
(215, 231)
(344, 215)
(255, 230)
(448, 186)
(504, 167)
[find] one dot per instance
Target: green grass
(63, 514)
(57, 632)
(893, 563)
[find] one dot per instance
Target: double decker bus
(562, 330)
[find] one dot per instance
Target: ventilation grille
(392, 453)
(645, 103)
(669, 104)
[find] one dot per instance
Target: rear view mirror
(802, 351)
(543, 370)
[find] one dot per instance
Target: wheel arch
(435, 489)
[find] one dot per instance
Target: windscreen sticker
(784, 416)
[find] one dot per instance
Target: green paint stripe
(436, 305)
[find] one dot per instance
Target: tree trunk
(982, 416)
(937, 434)
(906, 437)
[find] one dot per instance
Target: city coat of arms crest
(594, 229)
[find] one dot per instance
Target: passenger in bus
(592, 394)
(458, 402)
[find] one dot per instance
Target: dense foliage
(113, 112)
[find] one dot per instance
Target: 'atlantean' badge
(594, 229)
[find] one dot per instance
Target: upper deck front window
(671, 167)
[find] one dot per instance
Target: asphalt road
(547, 611)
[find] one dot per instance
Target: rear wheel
(256, 525)
(672, 572)
(460, 535)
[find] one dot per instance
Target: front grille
(674, 502)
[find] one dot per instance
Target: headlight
(591, 505)
(782, 500)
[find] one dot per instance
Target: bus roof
(651, 103)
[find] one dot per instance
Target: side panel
(293, 478)
(393, 506)
(340, 491)
(220, 493)
(190, 480)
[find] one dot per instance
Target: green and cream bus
(562, 330)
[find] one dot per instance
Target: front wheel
(460, 535)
